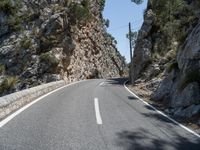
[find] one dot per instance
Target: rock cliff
(167, 56)
(47, 40)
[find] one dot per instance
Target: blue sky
(120, 13)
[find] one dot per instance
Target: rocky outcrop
(181, 88)
(175, 58)
(142, 52)
(44, 41)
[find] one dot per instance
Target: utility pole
(131, 55)
(130, 40)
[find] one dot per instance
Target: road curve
(94, 115)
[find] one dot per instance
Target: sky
(120, 13)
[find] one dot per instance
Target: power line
(121, 27)
(137, 20)
(125, 26)
(136, 28)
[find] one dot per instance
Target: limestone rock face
(190, 50)
(188, 112)
(177, 62)
(43, 41)
(142, 52)
(182, 89)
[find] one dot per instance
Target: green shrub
(191, 76)
(80, 12)
(102, 4)
(49, 58)
(45, 43)
(137, 1)
(10, 6)
(172, 18)
(7, 6)
(111, 38)
(2, 69)
(48, 42)
(14, 23)
(25, 42)
(8, 83)
(107, 23)
(29, 16)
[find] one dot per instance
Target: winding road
(94, 115)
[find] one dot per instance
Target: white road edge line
(97, 111)
(10, 117)
(180, 125)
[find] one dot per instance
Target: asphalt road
(70, 119)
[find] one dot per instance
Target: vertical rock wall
(48, 40)
(171, 59)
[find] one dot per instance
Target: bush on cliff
(10, 6)
(172, 19)
(49, 59)
(7, 83)
(80, 12)
(102, 4)
(2, 69)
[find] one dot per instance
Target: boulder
(191, 49)
(188, 112)
(190, 95)
(163, 91)
(53, 25)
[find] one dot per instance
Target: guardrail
(14, 101)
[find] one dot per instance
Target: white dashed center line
(101, 84)
(97, 111)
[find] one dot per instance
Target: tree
(107, 22)
(134, 36)
(102, 4)
(137, 1)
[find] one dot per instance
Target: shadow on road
(141, 139)
(132, 98)
(158, 117)
(116, 81)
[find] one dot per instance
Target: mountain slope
(43, 41)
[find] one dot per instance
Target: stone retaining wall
(14, 101)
